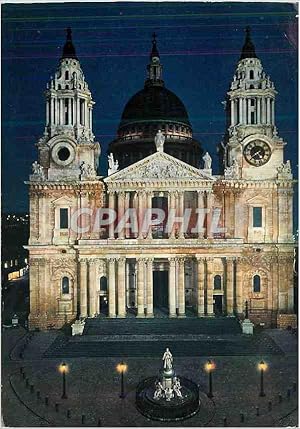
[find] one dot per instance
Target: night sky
(199, 44)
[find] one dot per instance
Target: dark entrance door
(160, 289)
(103, 303)
(218, 303)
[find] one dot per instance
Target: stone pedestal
(78, 327)
(247, 327)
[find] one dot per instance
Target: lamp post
(122, 368)
(262, 366)
(209, 367)
(63, 369)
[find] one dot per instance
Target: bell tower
(68, 140)
(252, 145)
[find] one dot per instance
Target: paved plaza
(93, 385)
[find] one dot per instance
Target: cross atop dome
(69, 49)
(248, 50)
(154, 52)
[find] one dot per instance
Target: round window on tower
(63, 154)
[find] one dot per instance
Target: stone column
(172, 287)
(140, 288)
(229, 285)
(52, 110)
(61, 111)
(268, 110)
(209, 206)
(69, 111)
(141, 203)
(249, 110)
(258, 111)
(209, 283)
(77, 111)
(181, 289)
(92, 287)
(264, 116)
(121, 287)
(181, 213)
(83, 288)
(244, 111)
(111, 205)
(149, 274)
(111, 288)
(86, 114)
(121, 207)
(200, 287)
(172, 206)
(47, 112)
(201, 216)
(127, 202)
(149, 206)
(241, 110)
(232, 113)
(239, 286)
(135, 205)
(273, 111)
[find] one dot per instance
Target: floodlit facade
(161, 235)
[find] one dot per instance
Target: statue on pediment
(207, 161)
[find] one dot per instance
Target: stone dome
(154, 103)
(151, 109)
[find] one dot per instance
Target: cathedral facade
(160, 235)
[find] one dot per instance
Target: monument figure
(207, 161)
(159, 141)
(113, 165)
(167, 360)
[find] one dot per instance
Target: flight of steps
(122, 338)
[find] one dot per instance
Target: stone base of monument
(247, 327)
(164, 409)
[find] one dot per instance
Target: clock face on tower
(257, 152)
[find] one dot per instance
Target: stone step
(214, 346)
(130, 326)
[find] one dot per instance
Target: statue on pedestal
(38, 170)
(168, 360)
(159, 141)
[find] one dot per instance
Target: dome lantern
(154, 68)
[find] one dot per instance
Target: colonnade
(120, 201)
(68, 111)
(263, 108)
(116, 269)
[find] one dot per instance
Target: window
(256, 283)
(67, 75)
(103, 284)
(65, 285)
(63, 219)
(217, 282)
(257, 217)
(251, 74)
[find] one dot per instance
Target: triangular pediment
(62, 201)
(258, 199)
(159, 166)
